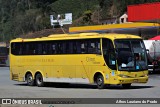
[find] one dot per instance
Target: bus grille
(15, 76)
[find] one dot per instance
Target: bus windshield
(131, 55)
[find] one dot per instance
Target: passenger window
(94, 46)
(59, 48)
(53, 48)
(83, 45)
(68, 47)
(16, 48)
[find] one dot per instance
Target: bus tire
(126, 86)
(100, 82)
(30, 80)
(39, 80)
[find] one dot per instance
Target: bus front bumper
(133, 80)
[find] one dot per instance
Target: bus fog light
(121, 80)
(146, 75)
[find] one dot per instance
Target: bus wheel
(30, 80)
(100, 82)
(39, 80)
(126, 86)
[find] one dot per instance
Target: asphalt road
(14, 89)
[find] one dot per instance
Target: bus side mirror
(147, 50)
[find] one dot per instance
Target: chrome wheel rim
(30, 79)
(39, 80)
(99, 81)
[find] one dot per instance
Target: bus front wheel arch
(39, 79)
(99, 80)
(29, 78)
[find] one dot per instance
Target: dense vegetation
(19, 17)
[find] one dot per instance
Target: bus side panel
(17, 70)
(69, 71)
(68, 66)
(95, 65)
(14, 73)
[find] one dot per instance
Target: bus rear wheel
(39, 80)
(100, 82)
(126, 86)
(30, 80)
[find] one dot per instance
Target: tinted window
(94, 46)
(16, 48)
(84, 46)
(109, 53)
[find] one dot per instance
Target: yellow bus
(91, 58)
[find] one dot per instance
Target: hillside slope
(20, 17)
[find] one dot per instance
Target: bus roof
(111, 36)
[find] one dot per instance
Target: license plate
(135, 80)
